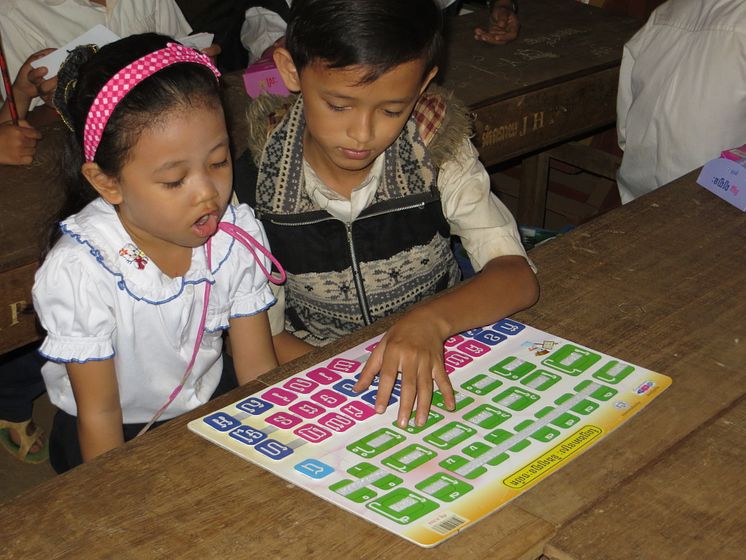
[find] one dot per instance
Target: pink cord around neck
(247, 241)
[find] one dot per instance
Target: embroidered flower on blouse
(133, 255)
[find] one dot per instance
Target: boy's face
(349, 123)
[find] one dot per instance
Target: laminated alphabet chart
(527, 404)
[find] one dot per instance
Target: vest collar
(407, 168)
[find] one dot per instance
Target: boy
(361, 184)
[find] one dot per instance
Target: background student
(27, 26)
(682, 92)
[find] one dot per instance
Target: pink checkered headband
(127, 78)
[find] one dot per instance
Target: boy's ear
(286, 67)
(105, 185)
(428, 79)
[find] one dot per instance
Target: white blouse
(99, 297)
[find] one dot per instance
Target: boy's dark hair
(376, 34)
(81, 77)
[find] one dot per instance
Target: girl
(135, 293)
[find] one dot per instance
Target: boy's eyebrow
(176, 163)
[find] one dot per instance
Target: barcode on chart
(443, 525)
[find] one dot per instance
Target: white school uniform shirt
(98, 297)
(28, 26)
(682, 92)
(485, 225)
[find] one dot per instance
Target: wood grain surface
(658, 282)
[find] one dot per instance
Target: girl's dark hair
(376, 34)
(85, 71)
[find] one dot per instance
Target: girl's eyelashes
(392, 114)
(335, 107)
(174, 184)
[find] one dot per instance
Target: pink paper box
(263, 77)
(735, 154)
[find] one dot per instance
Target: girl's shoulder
(95, 232)
(95, 240)
(89, 233)
(243, 216)
(71, 268)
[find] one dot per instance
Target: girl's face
(177, 181)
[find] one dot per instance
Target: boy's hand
(413, 347)
(18, 143)
(503, 27)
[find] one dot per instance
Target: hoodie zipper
(356, 276)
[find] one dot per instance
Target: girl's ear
(286, 67)
(107, 186)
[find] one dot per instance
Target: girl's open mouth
(206, 226)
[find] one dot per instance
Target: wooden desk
(657, 282)
(556, 82)
(30, 197)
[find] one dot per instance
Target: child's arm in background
(503, 25)
(26, 86)
(251, 346)
(18, 143)
(96, 393)
(505, 285)
(414, 345)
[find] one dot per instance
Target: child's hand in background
(29, 79)
(503, 26)
(18, 143)
(213, 51)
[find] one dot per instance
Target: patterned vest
(397, 252)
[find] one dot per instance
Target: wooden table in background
(556, 82)
(30, 198)
(658, 282)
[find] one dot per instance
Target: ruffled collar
(97, 226)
